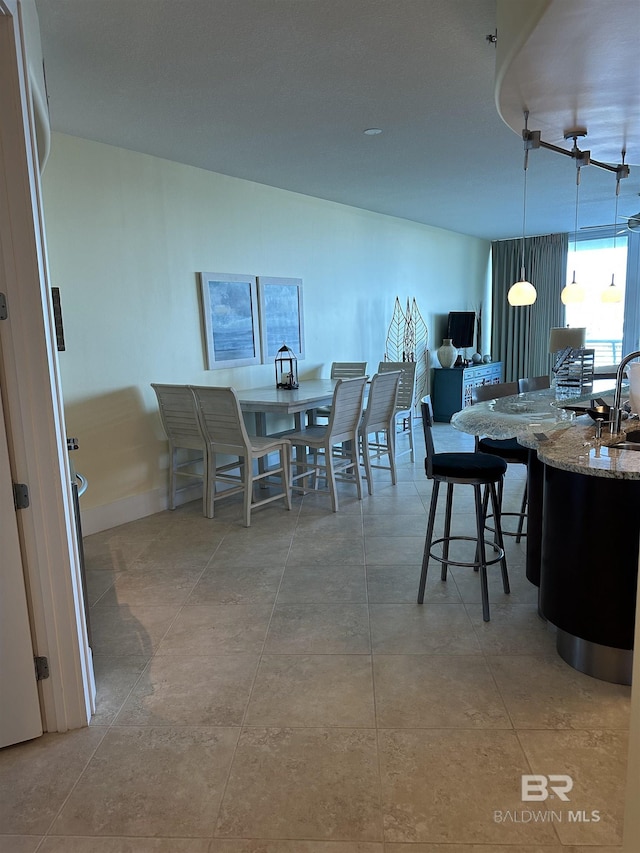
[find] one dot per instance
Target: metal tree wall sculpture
(407, 340)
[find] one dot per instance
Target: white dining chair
(179, 419)
(379, 419)
(405, 399)
(225, 435)
(341, 370)
(332, 450)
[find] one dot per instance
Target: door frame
(33, 401)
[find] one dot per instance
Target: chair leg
(499, 539)
(523, 510)
(247, 478)
(447, 531)
(331, 479)
(485, 504)
(391, 452)
(173, 459)
(211, 485)
(364, 439)
(484, 586)
(285, 475)
(427, 541)
(410, 420)
(355, 460)
(297, 469)
(206, 476)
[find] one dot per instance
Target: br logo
(538, 788)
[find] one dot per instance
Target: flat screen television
(461, 328)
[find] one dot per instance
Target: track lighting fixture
(523, 292)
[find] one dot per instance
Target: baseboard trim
(98, 518)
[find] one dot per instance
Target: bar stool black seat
(482, 471)
(508, 449)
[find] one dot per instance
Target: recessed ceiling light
(372, 131)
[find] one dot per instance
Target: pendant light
(523, 292)
(574, 292)
(612, 293)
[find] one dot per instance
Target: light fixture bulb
(573, 292)
(611, 293)
(522, 293)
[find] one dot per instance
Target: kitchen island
(583, 527)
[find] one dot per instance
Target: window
(594, 262)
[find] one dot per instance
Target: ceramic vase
(447, 353)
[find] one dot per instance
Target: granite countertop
(561, 438)
(574, 447)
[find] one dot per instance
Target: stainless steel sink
(631, 441)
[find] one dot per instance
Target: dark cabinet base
(589, 567)
(453, 386)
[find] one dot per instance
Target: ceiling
(280, 92)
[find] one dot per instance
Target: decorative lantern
(286, 369)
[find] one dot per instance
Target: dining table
(299, 402)
(309, 395)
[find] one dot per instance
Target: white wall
(128, 233)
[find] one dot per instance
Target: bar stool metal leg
(428, 540)
(481, 502)
(447, 531)
(465, 469)
(523, 513)
(499, 539)
(484, 584)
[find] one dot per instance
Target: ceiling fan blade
(630, 223)
(606, 225)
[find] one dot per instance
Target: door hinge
(20, 495)
(42, 668)
(3, 307)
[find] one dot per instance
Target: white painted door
(19, 706)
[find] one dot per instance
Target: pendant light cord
(615, 218)
(524, 192)
(575, 226)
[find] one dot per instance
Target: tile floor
(277, 690)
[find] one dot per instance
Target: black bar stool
(466, 468)
(508, 449)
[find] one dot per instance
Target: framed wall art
(281, 316)
(231, 320)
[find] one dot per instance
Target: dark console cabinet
(452, 387)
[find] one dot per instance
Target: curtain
(521, 334)
(631, 334)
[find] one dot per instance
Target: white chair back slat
(221, 418)
(222, 424)
(178, 414)
(346, 409)
(381, 403)
(348, 369)
(406, 389)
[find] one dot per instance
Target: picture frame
(281, 316)
(231, 319)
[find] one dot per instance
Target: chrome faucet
(615, 414)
